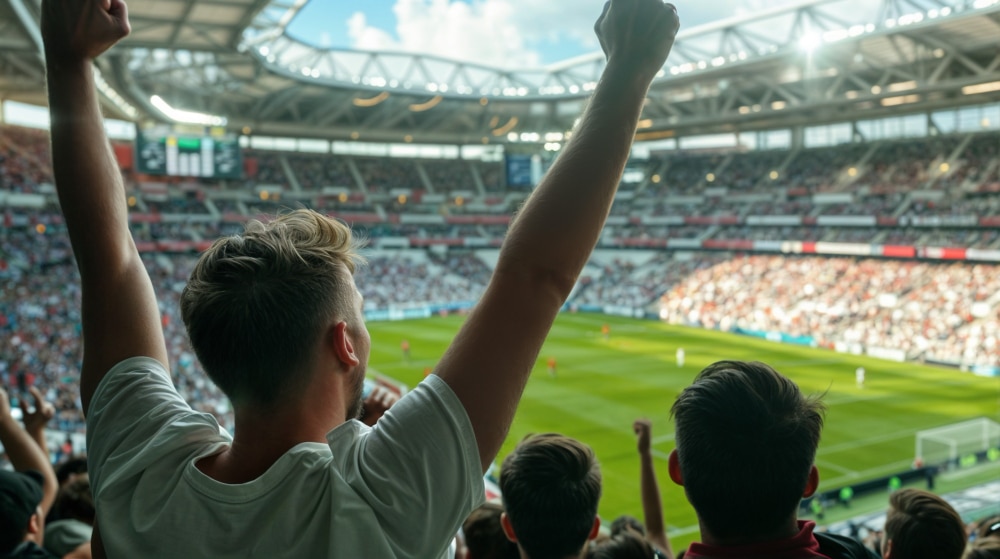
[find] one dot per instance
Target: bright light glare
(186, 117)
(810, 42)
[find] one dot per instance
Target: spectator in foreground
(551, 486)
(746, 441)
(922, 525)
(26, 494)
(275, 319)
(484, 536)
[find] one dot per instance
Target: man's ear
(508, 530)
(813, 483)
(596, 529)
(887, 549)
(343, 347)
(674, 467)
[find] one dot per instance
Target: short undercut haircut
(256, 303)
(922, 525)
(746, 436)
(551, 486)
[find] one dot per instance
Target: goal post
(949, 443)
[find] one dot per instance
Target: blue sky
(506, 33)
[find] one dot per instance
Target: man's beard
(357, 403)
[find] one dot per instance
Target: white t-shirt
(399, 490)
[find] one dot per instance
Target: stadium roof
(806, 63)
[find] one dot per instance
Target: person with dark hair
(26, 493)
(71, 469)
(922, 525)
(988, 527)
(746, 434)
(484, 535)
(551, 486)
(983, 548)
(627, 544)
(276, 320)
(626, 523)
(74, 508)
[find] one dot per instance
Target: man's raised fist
(637, 33)
(80, 30)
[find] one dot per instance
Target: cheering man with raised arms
(276, 320)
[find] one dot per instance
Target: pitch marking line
(832, 466)
(869, 441)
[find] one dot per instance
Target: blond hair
(256, 303)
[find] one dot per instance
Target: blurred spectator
(484, 536)
(551, 486)
(921, 525)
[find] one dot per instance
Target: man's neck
(264, 435)
(787, 530)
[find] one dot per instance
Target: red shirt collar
(801, 546)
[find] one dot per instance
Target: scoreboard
(187, 151)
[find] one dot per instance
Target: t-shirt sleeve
(418, 469)
(134, 401)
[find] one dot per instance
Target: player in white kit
(859, 377)
(680, 357)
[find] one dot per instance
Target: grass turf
(603, 385)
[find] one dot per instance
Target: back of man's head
(484, 535)
(551, 485)
(624, 545)
(257, 303)
(746, 440)
(20, 495)
(921, 525)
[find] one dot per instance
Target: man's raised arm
(120, 315)
(551, 239)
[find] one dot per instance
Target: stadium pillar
(798, 138)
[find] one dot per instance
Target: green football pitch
(603, 385)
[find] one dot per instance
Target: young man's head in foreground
(746, 441)
(267, 309)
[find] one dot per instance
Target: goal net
(951, 442)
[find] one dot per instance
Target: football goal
(949, 443)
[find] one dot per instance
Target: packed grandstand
(920, 294)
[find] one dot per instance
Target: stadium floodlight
(186, 117)
(809, 42)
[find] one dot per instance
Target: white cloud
(506, 33)
(486, 32)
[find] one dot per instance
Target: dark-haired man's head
(625, 523)
(69, 469)
(627, 544)
(921, 525)
(746, 437)
(484, 537)
(551, 485)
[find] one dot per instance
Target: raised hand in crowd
(38, 417)
(652, 506)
